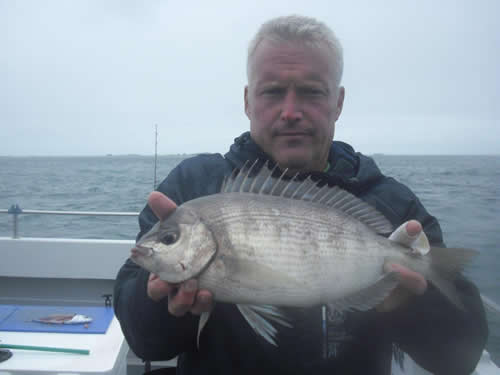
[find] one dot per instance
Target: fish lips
(145, 257)
(139, 251)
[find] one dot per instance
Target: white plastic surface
(62, 257)
(108, 353)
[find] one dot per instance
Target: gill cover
(180, 247)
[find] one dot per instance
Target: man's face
(292, 103)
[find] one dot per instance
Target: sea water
(463, 192)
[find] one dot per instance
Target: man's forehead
(271, 58)
(273, 77)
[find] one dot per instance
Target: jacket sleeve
(439, 336)
(151, 331)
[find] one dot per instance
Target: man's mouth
(293, 134)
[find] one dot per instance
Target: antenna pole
(156, 153)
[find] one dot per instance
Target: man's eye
(170, 238)
(273, 91)
(309, 91)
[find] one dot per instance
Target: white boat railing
(15, 210)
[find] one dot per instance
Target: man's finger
(182, 302)
(410, 283)
(161, 205)
(412, 235)
(413, 228)
(410, 280)
(406, 233)
(157, 288)
(203, 303)
(153, 276)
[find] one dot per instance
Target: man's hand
(184, 297)
(410, 283)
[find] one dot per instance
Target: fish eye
(170, 238)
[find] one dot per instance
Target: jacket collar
(347, 167)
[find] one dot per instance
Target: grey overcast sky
(94, 77)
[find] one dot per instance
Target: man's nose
(291, 110)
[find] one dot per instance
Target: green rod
(45, 349)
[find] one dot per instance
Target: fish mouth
(139, 251)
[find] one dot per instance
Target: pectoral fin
(259, 316)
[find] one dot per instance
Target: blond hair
(302, 29)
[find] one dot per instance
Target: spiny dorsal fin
(252, 178)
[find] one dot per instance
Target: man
(293, 100)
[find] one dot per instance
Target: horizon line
(199, 153)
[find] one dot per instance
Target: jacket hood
(347, 167)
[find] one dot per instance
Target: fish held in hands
(267, 240)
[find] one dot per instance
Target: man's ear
(340, 102)
(247, 108)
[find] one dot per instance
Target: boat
(76, 275)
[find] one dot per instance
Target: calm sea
(463, 192)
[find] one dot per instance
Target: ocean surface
(463, 192)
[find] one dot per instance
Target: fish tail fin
(446, 265)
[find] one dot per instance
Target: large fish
(271, 240)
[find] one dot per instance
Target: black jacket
(439, 337)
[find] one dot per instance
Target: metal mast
(156, 154)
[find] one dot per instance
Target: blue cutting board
(5, 311)
(19, 318)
